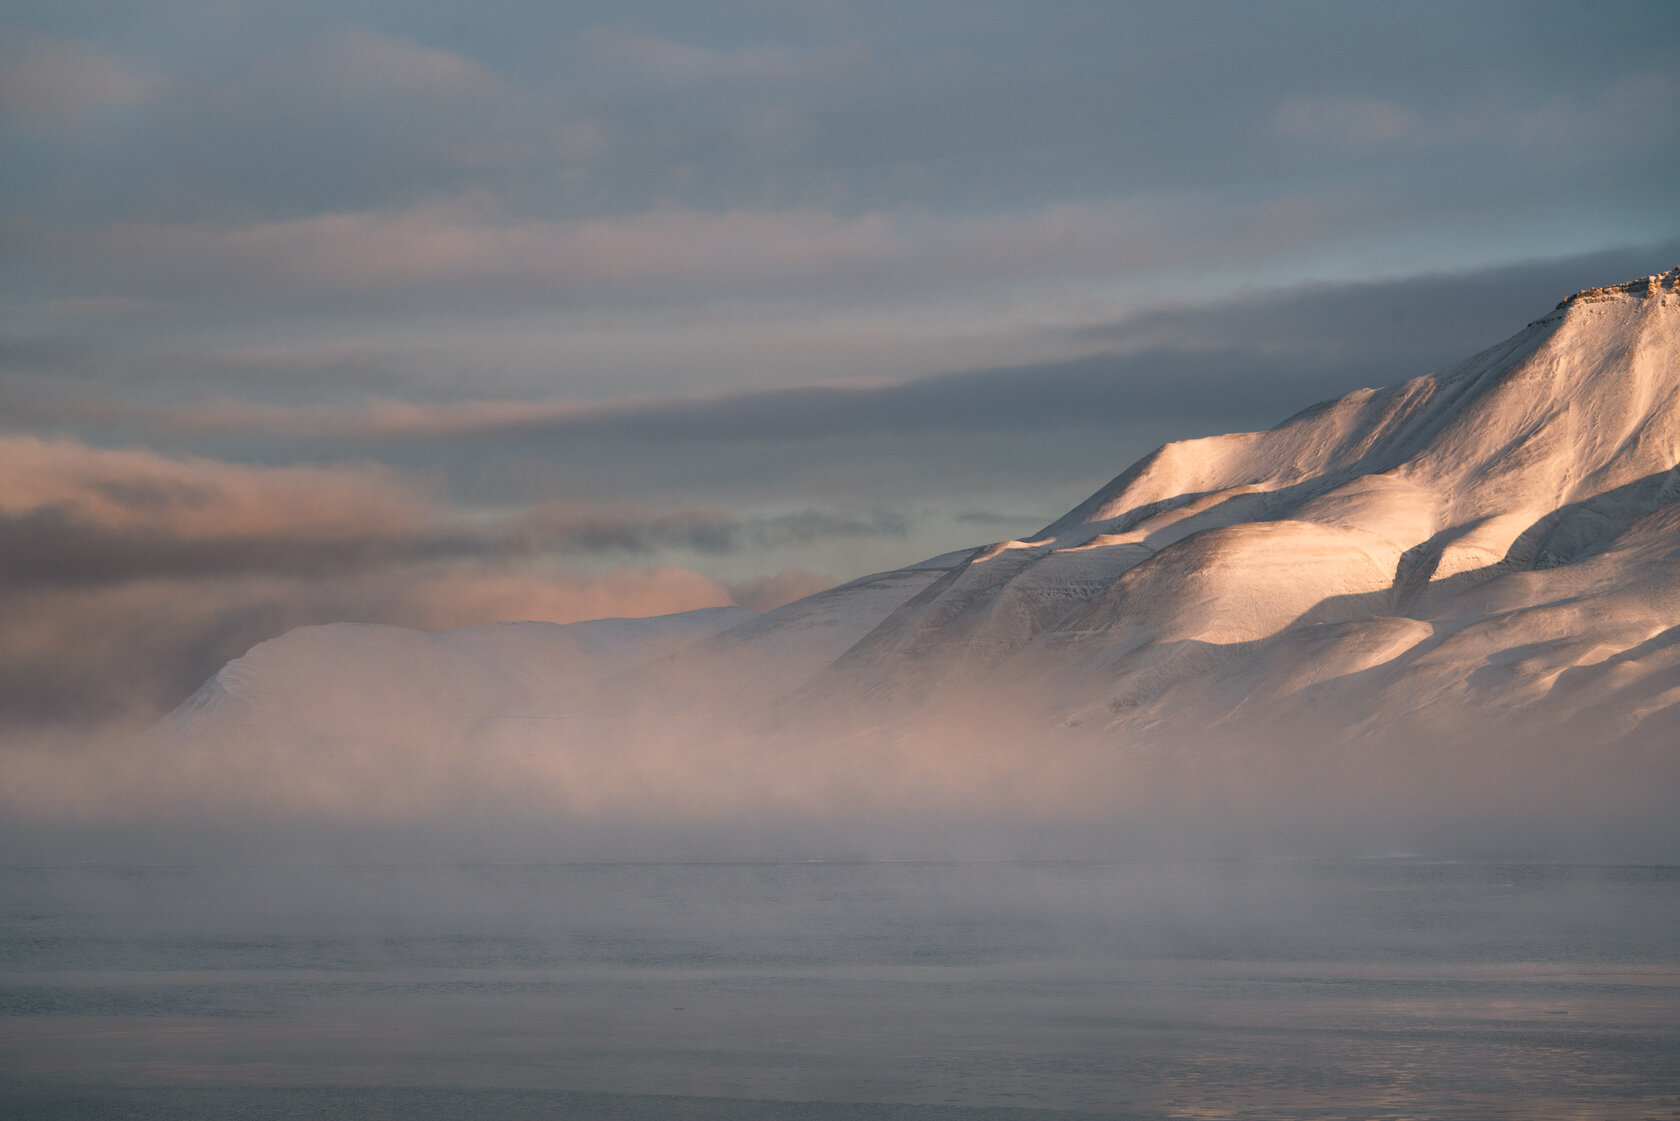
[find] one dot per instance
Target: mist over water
(686, 906)
(1218, 988)
(980, 778)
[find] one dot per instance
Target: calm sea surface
(834, 991)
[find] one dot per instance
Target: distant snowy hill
(1492, 547)
(372, 681)
(479, 669)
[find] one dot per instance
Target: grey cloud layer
(1244, 362)
(377, 163)
(586, 109)
(98, 517)
(588, 201)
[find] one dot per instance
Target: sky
(432, 314)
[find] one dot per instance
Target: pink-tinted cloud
(1346, 120)
(472, 254)
(74, 514)
(194, 498)
(468, 243)
(669, 61)
(359, 61)
(53, 83)
(1624, 112)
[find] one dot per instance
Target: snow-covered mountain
(323, 674)
(1502, 535)
(1495, 546)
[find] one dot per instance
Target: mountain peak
(1657, 284)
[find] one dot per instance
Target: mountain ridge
(1505, 458)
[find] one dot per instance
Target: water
(836, 991)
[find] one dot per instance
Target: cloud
(1623, 114)
(650, 477)
(1070, 394)
(1157, 373)
(358, 61)
(1347, 120)
(52, 83)
(76, 515)
(1250, 382)
(1413, 324)
(465, 246)
(571, 529)
(73, 514)
(668, 61)
(469, 255)
(1622, 111)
